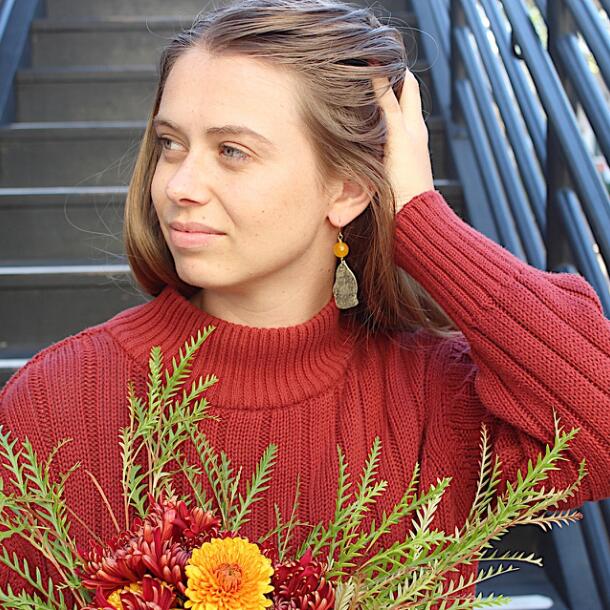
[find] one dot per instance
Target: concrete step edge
(36, 197)
(32, 272)
(43, 192)
(109, 23)
(12, 363)
(146, 72)
(70, 129)
(67, 277)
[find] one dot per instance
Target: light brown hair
(333, 49)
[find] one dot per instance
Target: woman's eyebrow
(225, 130)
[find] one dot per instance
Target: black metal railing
(512, 79)
(516, 99)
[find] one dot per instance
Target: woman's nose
(186, 185)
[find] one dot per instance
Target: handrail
(15, 19)
(590, 25)
(563, 125)
(550, 205)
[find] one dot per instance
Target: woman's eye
(240, 156)
(165, 143)
(234, 154)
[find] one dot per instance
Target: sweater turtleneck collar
(256, 367)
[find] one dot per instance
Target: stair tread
(69, 128)
(110, 22)
(44, 191)
(61, 269)
(44, 277)
(86, 73)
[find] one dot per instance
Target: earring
(345, 287)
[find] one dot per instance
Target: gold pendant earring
(345, 287)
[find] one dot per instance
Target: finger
(385, 94)
(410, 98)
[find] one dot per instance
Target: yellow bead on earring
(345, 287)
(341, 249)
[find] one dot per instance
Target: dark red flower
(302, 585)
(163, 558)
(191, 527)
(114, 565)
(160, 546)
(155, 595)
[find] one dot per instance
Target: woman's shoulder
(67, 366)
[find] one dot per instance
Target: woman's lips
(183, 239)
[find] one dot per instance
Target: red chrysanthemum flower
(162, 557)
(114, 565)
(149, 594)
(302, 585)
(191, 527)
(155, 595)
(159, 546)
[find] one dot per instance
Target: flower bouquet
(188, 552)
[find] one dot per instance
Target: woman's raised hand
(406, 152)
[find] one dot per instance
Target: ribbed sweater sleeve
(531, 341)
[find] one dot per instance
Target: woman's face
(260, 192)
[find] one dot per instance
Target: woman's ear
(351, 199)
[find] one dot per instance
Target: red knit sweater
(532, 340)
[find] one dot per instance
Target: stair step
(124, 40)
(98, 153)
(115, 41)
(97, 8)
(123, 93)
(102, 93)
(61, 224)
(8, 367)
(43, 304)
(86, 153)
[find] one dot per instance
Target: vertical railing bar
(504, 222)
(5, 12)
(533, 175)
(443, 24)
(597, 544)
(457, 70)
(593, 32)
(591, 189)
(516, 199)
(532, 113)
(559, 22)
(589, 94)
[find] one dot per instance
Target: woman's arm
(533, 341)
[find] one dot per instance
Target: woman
(276, 127)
